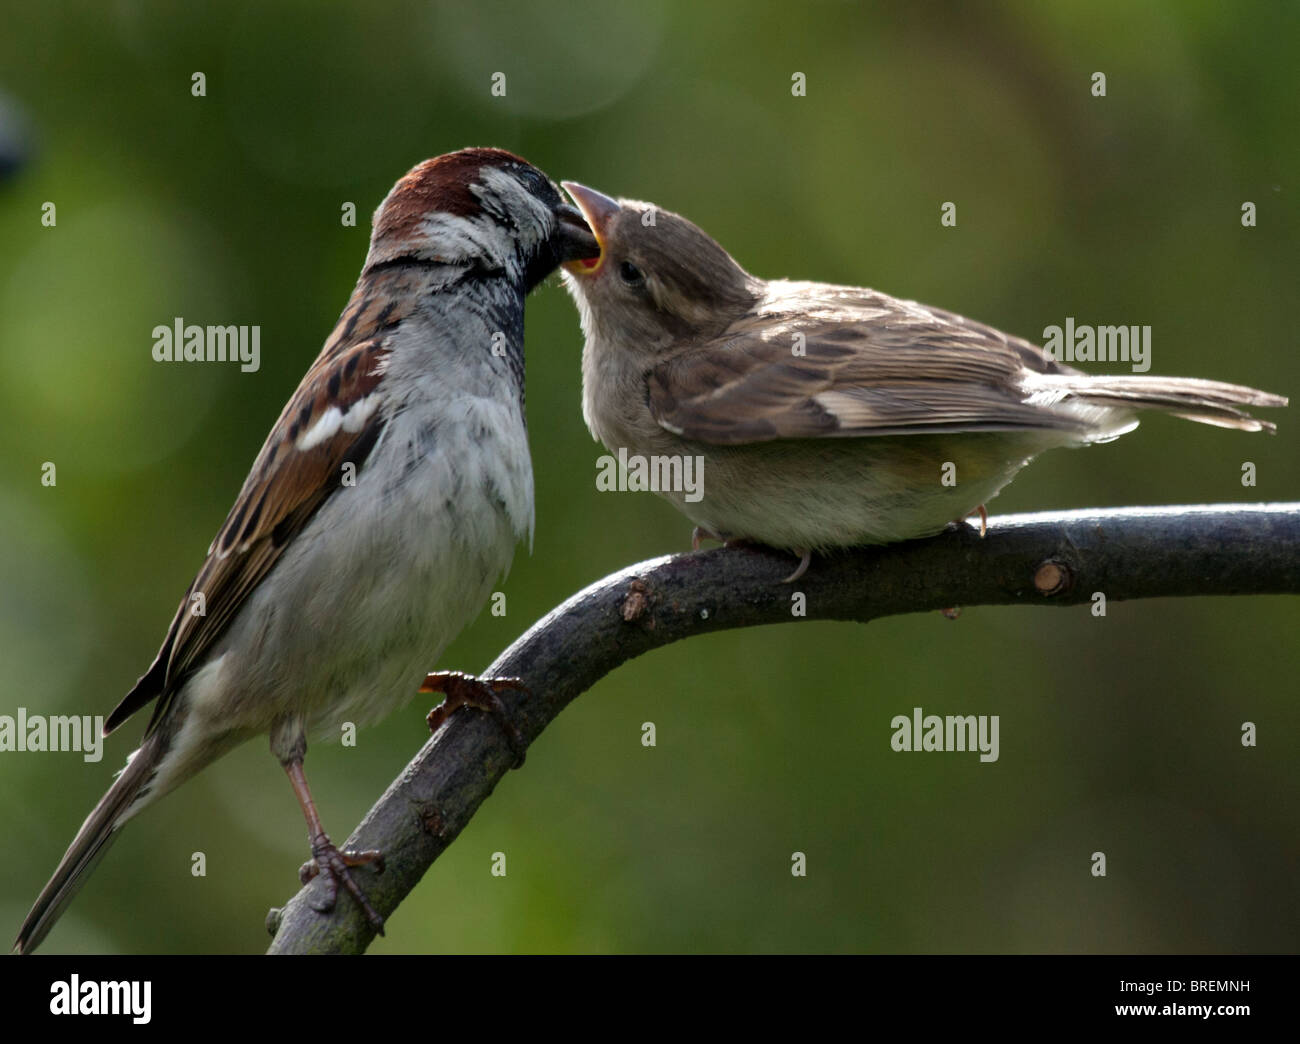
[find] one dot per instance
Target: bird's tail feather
(1209, 402)
(92, 841)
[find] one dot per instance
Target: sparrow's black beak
(573, 240)
(569, 242)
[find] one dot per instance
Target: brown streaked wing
(284, 488)
(901, 369)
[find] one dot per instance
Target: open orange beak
(599, 210)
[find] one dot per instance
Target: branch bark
(1044, 559)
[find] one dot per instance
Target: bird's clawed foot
(335, 865)
(699, 534)
(983, 513)
(804, 558)
(465, 690)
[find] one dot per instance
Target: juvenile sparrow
(383, 506)
(827, 416)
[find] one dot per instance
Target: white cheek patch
(334, 420)
(454, 239)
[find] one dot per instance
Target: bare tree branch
(1059, 559)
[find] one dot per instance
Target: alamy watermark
(1083, 343)
(72, 996)
(637, 473)
(57, 732)
(193, 343)
(955, 732)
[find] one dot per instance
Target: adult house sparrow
(383, 506)
(827, 416)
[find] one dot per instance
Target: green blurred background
(1119, 734)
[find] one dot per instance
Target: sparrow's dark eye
(536, 183)
(630, 274)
